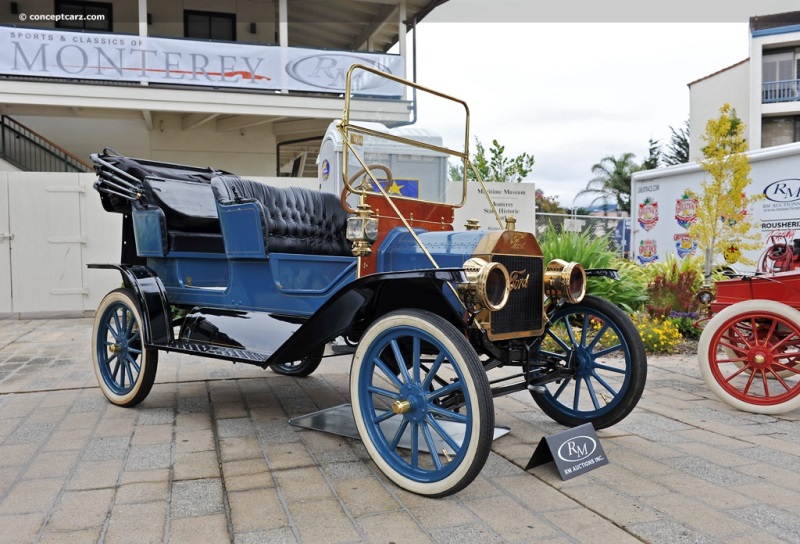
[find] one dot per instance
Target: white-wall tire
(419, 357)
(124, 368)
(748, 356)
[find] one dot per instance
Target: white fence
(618, 229)
(51, 226)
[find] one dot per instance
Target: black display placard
(575, 451)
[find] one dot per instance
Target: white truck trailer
(662, 209)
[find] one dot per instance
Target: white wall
(7, 167)
(707, 96)
(59, 226)
(741, 86)
(246, 152)
(5, 253)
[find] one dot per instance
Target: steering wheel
(361, 172)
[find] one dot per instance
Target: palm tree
(612, 181)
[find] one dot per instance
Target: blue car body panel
(202, 247)
(399, 251)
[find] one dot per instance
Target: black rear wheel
(304, 367)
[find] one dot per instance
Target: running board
(216, 352)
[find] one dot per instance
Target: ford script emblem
(519, 279)
(577, 448)
(329, 71)
(784, 190)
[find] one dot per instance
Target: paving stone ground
(209, 457)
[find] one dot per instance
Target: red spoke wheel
(748, 355)
(778, 336)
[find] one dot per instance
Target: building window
(777, 66)
(209, 25)
(780, 130)
(89, 16)
(778, 78)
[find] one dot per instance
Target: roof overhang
(354, 24)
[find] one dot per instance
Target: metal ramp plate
(339, 420)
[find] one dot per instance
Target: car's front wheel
(422, 402)
(601, 349)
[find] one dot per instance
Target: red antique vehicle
(749, 351)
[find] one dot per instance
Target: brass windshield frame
(345, 126)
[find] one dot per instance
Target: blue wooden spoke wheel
(124, 368)
(422, 402)
(604, 353)
(303, 367)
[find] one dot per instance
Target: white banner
(115, 57)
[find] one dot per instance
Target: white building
(764, 89)
(248, 86)
(229, 83)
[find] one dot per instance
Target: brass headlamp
(565, 280)
(705, 295)
(362, 230)
(487, 285)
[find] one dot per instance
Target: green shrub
(685, 322)
(672, 286)
(593, 252)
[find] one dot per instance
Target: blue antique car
(220, 266)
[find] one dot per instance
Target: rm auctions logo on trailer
(783, 190)
(648, 214)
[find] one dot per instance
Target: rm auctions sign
(116, 57)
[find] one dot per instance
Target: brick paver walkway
(210, 457)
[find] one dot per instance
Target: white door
(5, 248)
(46, 250)
(103, 245)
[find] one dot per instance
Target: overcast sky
(573, 93)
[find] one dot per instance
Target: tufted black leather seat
(296, 220)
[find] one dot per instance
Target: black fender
(363, 301)
(611, 273)
(152, 297)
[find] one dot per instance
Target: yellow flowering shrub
(659, 335)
